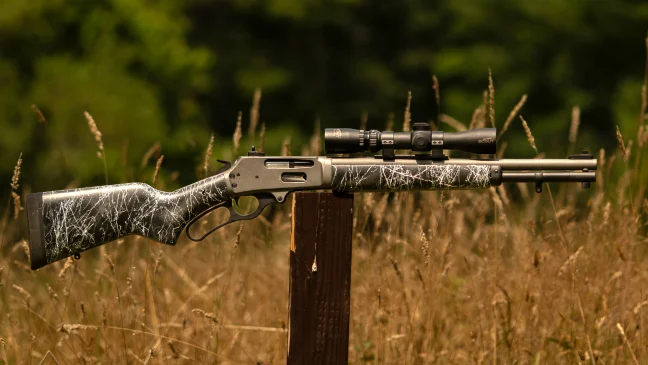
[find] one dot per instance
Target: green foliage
(175, 71)
(126, 62)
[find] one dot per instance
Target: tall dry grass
(501, 276)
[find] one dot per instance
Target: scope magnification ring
(373, 140)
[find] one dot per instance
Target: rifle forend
(67, 222)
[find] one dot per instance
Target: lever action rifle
(67, 222)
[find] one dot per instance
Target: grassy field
(500, 276)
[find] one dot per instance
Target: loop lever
(264, 200)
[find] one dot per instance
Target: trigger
(226, 166)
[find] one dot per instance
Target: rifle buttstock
(67, 222)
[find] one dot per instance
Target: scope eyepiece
(421, 139)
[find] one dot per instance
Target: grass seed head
(208, 154)
(68, 328)
(285, 146)
(571, 261)
(238, 235)
(22, 291)
(25, 247)
(407, 118)
(236, 138)
(396, 267)
(601, 168)
(437, 95)
(262, 137)
(158, 165)
(158, 260)
(96, 133)
(17, 204)
(204, 314)
(39, 114)
(69, 264)
(622, 145)
(575, 122)
(491, 99)
(51, 293)
(425, 246)
(529, 135)
(627, 343)
(16, 174)
(15, 183)
(606, 214)
(111, 264)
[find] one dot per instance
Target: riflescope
(421, 139)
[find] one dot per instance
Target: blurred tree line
(174, 72)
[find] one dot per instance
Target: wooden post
(320, 278)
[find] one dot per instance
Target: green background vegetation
(174, 72)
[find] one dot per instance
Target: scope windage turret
(421, 139)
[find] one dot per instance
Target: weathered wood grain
(320, 278)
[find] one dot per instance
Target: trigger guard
(264, 200)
